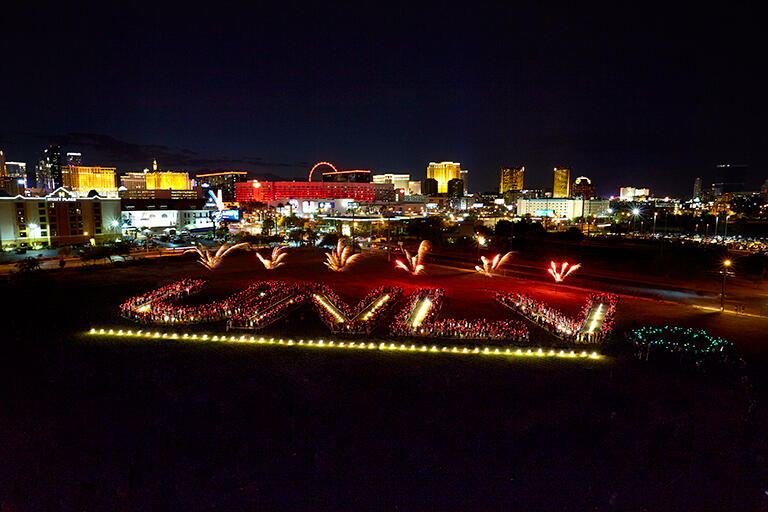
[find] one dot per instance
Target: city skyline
(542, 87)
(537, 179)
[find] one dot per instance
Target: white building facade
(562, 207)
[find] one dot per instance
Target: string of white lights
(358, 345)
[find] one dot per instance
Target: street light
(635, 213)
(726, 265)
(655, 214)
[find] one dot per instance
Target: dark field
(103, 424)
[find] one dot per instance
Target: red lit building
(264, 191)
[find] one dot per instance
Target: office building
(633, 194)
(399, 181)
(456, 188)
(563, 208)
(350, 176)
(48, 173)
(511, 179)
(40, 177)
(443, 172)
(16, 170)
(430, 187)
(10, 186)
(82, 179)
(464, 174)
(60, 218)
(265, 191)
(224, 181)
(729, 178)
(582, 188)
(562, 183)
(133, 181)
(74, 159)
(414, 188)
(697, 188)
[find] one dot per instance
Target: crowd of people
(403, 323)
(366, 325)
(542, 314)
(267, 301)
(158, 305)
(507, 330)
(334, 301)
(430, 326)
(280, 299)
(609, 301)
(353, 320)
(161, 306)
(556, 322)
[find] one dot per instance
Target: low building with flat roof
(60, 218)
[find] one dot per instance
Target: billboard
(230, 215)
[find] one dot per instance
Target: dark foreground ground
(104, 424)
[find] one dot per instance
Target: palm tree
(276, 260)
(565, 270)
(414, 264)
(212, 261)
(489, 266)
(340, 258)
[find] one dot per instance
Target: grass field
(110, 424)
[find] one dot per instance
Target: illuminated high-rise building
(633, 193)
(224, 181)
(49, 169)
(78, 178)
(562, 183)
(697, 188)
(348, 176)
(16, 170)
(400, 181)
(582, 188)
(429, 187)
(2, 164)
(443, 172)
(456, 188)
(729, 178)
(74, 159)
(167, 180)
(511, 179)
(134, 181)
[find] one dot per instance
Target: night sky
(645, 95)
